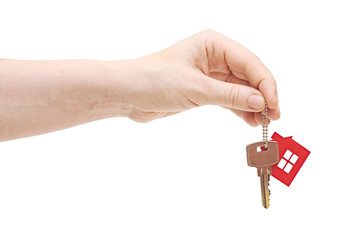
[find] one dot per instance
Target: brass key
(263, 159)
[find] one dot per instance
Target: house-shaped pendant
(292, 156)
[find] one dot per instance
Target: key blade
(265, 177)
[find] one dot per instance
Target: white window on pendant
(287, 154)
(288, 167)
(282, 163)
(294, 158)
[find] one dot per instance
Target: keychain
(263, 155)
(282, 157)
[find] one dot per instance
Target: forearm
(37, 97)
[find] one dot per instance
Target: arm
(37, 97)
(43, 96)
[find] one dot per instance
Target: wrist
(116, 99)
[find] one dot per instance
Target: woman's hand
(207, 68)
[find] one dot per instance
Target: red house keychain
(292, 156)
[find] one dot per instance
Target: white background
(185, 176)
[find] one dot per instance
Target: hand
(207, 68)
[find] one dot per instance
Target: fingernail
(256, 101)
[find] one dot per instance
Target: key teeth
(268, 184)
(268, 188)
(269, 194)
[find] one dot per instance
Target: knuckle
(140, 117)
(263, 79)
(210, 34)
(233, 97)
(253, 61)
(210, 31)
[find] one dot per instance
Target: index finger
(243, 62)
(260, 77)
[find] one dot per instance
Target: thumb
(234, 96)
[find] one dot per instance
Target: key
(263, 159)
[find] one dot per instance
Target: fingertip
(250, 119)
(269, 90)
(258, 118)
(274, 114)
(254, 126)
(252, 123)
(273, 101)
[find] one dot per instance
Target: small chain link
(265, 125)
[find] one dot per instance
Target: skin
(38, 97)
